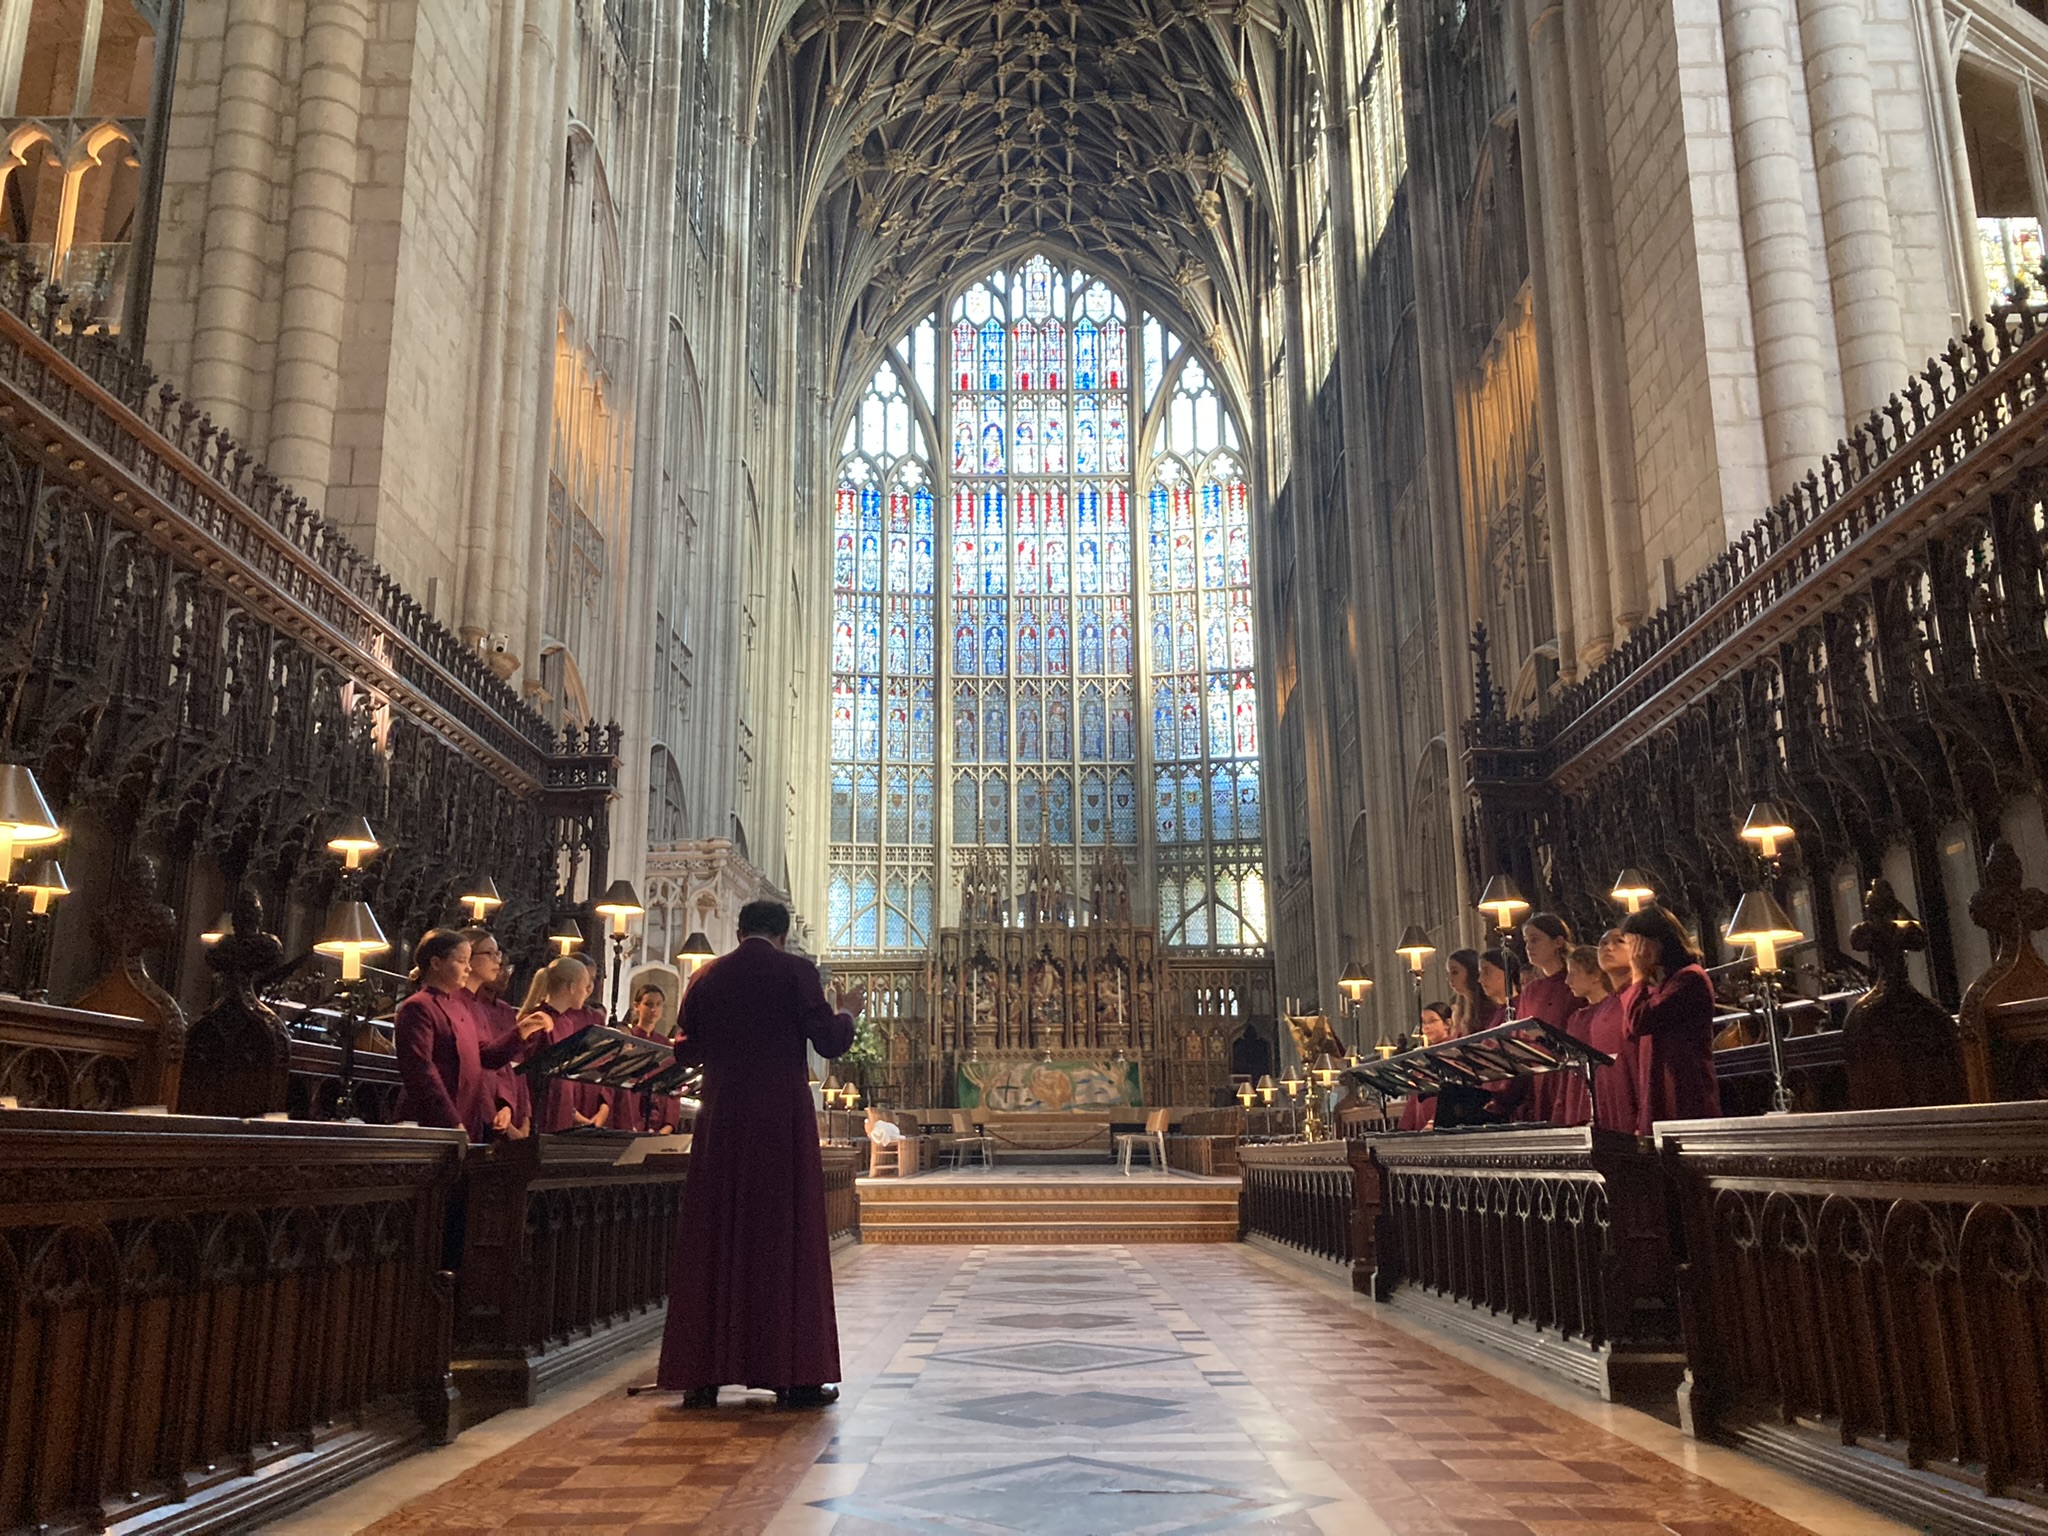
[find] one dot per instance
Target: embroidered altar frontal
(1036, 1086)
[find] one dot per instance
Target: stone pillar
(1549, 429)
(1575, 490)
(1854, 210)
(1784, 298)
(1614, 419)
(312, 313)
(234, 268)
(1962, 189)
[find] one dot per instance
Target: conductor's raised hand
(854, 1002)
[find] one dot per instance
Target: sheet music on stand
(1518, 1048)
(610, 1058)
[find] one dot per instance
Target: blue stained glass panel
(1212, 547)
(1052, 439)
(921, 911)
(844, 561)
(842, 635)
(842, 718)
(868, 718)
(1250, 823)
(966, 727)
(1087, 355)
(1094, 808)
(865, 906)
(1058, 653)
(870, 560)
(921, 809)
(966, 646)
(923, 714)
(1091, 635)
(896, 920)
(1163, 739)
(868, 633)
(1170, 910)
(921, 641)
(995, 723)
(923, 564)
(899, 718)
(1056, 563)
(922, 510)
(1222, 804)
(1120, 659)
(995, 810)
(1059, 805)
(1029, 810)
(1241, 648)
(1024, 438)
(966, 810)
(1030, 726)
(1116, 350)
(1123, 733)
(1190, 806)
(963, 356)
(839, 911)
(1188, 708)
(1187, 643)
(1026, 571)
(867, 806)
(1088, 563)
(995, 637)
(897, 641)
(898, 807)
(1197, 931)
(1238, 558)
(964, 438)
(1219, 717)
(1162, 639)
(1029, 650)
(1123, 808)
(1094, 724)
(1059, 723)
(992, 352)
(1165, 807)
(842, 805)
(1216, 634)
(993, 459)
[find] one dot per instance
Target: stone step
(1064, 1234)
(1109, 1209)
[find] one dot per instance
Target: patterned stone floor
(1071, 1391)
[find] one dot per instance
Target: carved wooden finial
(1899, 1046)
(2002, 1037)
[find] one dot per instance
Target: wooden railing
(565, 1261)
(204, 1323)
(843, 1166)
(1866, 1302)
(1303, 1196)
(75, 1058)
(1547, 1243)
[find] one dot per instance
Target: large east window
(1042, 635)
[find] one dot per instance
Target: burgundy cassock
(496, 1019)
(1603, 1026)
(449, 1074)
(660, 1111)
(566, 1100)
(1550, 999)
(1671, 1024)
(750, 1290)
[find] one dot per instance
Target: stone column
(1575, 490)
(1549, 429)
(1784, 298)
(1613, 417)
(233, 270)
(312, 313)
(1855, 213)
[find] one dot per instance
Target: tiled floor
(1107, 1390)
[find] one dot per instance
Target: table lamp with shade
(351, 934)
(482, 898)
(1503, 902)
(45, 886)
(1354, 984)
(1767, 827)
(566, 937)
(1632, 890)
(1267, 1089)
(352, 840)
(696, 951)
(620, 903)
(1415, 947)
(1761, 925)
(25, 819)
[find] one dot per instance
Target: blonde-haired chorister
(558, 996)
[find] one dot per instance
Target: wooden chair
(1152, 1138)
(968, 1138)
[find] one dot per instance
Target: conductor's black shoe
(701, 1397)
(806, 1397)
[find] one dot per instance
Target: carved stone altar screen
(1078, 982)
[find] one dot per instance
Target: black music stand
(1518, 1048)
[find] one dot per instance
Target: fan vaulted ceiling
(929, 136)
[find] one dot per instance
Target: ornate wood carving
(1900, 1047)
(1875, 1283)
(2004, 1020)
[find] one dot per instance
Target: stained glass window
(885, 684)
(1207, 812)
(1045, 638)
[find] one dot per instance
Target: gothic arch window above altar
(1084, 540)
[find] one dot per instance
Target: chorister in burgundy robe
(1603, 1026)
(1550, 999)
(567, 1100)
(449, 1074)
(1671, 1025)
(750, 1290)
(496, 1019)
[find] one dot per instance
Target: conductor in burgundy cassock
(750, 1288)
